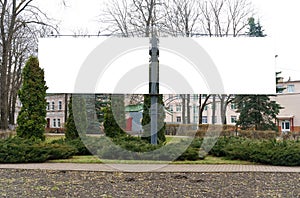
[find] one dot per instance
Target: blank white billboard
(187, 65)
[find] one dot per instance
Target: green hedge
(134, 148)
(18, 150)
(272, 152)
(77, 144)
(258, 134)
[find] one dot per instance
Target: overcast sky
(280, 19)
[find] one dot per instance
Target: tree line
(22, 22)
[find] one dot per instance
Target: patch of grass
(79, 159)
(175, 139)
(50, 138)
(215, 160)
(94, 159)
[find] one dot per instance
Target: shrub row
(18, 150)
(134, 148)
(258, 134)
(229, 133)
(272, 152)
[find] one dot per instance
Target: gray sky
(280, 19)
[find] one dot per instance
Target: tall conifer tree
(31, 120)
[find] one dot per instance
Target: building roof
(280, 117)
(134, 108)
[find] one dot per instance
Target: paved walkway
(152, 167)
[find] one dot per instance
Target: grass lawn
(50, 138)
(94, 159)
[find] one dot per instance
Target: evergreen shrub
(19, 150)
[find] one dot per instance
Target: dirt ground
(45, 183)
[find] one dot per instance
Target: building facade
(57, 110)
(174, 104)
(289, 99)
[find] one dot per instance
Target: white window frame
(284, 125)
(171, 108)
(60, 105)
(204, 120)
(58, 123)
(54, 123)
(178, 108)
(52, 105)
(290, 88)
(233, 106)
(233, 119)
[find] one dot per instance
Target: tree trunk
(200, 110)
(183, 109)
(188, 112)
(214, 110)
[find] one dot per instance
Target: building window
(233, 106)
(196, 97)
(171, 108)
(178, 119)
(178, 108)
(48, 106)
(290, 88)
(205, 108)
(52, 105)
(195, 119)
(279, 88)
(54, 123)
(58, 123)
(204, 119)
(194, 109)
(233, 119)
(59, 105)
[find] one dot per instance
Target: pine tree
(31, 120)
(77, 119)
(255, 29)
(114, 117)
(256, 111)
(101, 102)
(160, 122)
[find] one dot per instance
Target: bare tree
(188, 110)
(225, 100)
(128, 18)
(181, 17)
(15, 16)
(183, 97)
(202, 106)
(225, 17)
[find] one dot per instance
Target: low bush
(18, 150)
(77, 144)
(272, 152)
(129, 148)
(258, 134)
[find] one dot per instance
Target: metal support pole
(153, 86)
